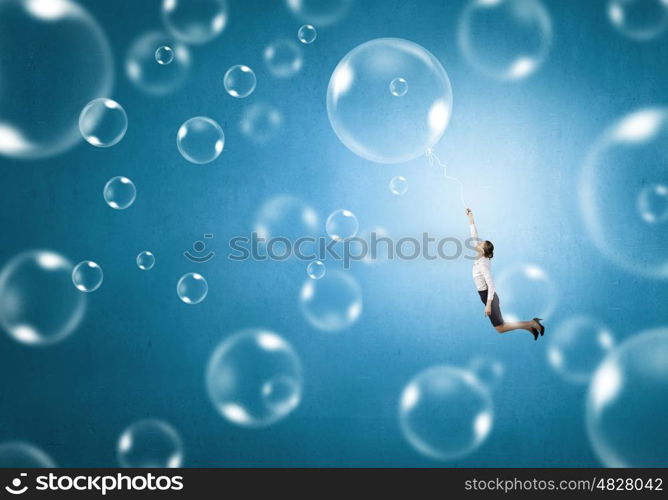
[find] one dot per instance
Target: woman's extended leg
(506, 327)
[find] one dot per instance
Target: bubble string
(433, 159)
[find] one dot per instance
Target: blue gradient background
(140, 352)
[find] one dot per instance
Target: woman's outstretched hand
(469, 214)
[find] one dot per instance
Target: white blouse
(482, 270)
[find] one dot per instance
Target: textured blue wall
(140, 352)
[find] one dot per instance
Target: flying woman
(482, 276)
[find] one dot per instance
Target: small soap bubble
(239, 81)
(316, 269)
(164, 55)
(653, 204)
(261, 122)
(87, 276)
(331, 303)
(157, 79)
(639, 20)
(319, 12)
(342, 225)
(145, 260)
(103, 122)
(398, 87)
(505, 39)
(398, 185)
(150, 444)
(119, 192)
(200, 140)
(283, 58)
(307, 34)
(195, 21)
(192, 288)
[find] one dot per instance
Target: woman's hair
(488, 249)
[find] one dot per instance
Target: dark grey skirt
(496, 318)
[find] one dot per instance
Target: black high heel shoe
(535, 333)
(542, 328)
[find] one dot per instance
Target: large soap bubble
(333, 302)
(195, 21)
(445, 413)
(38, 304)
(627, 403)
(151, 77)
(319, 12)
(577, 347)
(640, 20)
(374, 123)
(55, 59)
(526, 291)
(505, 39)
(254, 378)
(628, 158)
(21, 455)
(150, 443)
